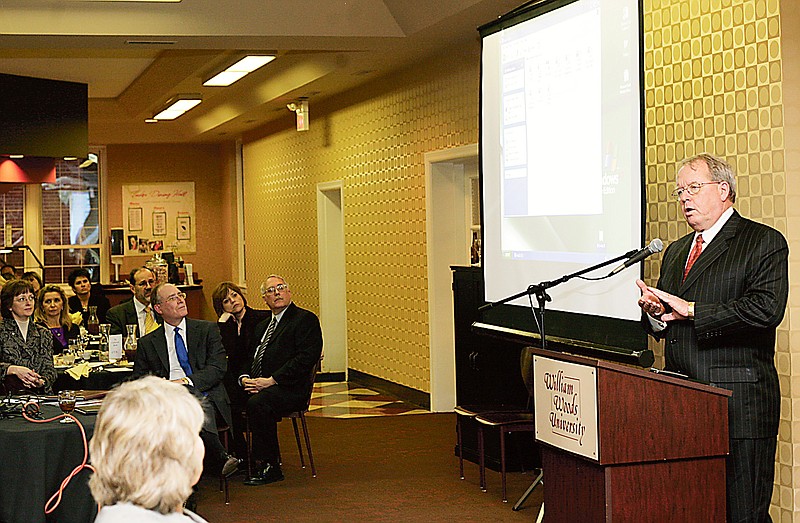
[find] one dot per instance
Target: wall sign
(565, 401)
(159, 217)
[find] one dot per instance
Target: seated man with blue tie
(190, 352)
(136, 311)
(288, 346)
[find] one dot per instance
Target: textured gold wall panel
(713, 75)
(713, 83)
(376, 147)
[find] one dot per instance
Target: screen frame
(583, 328)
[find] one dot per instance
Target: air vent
(151, 42)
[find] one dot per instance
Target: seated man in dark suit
(289, 346)
(136, 311)
(189, 352)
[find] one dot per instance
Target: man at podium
(721, 294)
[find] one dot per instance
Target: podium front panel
(565, 405)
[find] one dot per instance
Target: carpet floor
(390, 468)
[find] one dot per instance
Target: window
(70, 221)
(58, 221)
(12, 202)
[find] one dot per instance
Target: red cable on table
(84, 465)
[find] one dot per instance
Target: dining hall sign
(565, 401)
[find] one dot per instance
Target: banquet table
(104, 379)
(34, 459)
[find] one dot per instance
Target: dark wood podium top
(644, 416)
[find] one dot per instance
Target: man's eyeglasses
(145, 283)
(692, 188)
(175, 297)
(279, 288)
(25, 298)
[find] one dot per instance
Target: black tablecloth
(34, 460)
(97, 380)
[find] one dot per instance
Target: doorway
(332, 297)
(452, 199)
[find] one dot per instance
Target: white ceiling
(136, 55)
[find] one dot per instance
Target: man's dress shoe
(230, 466)
(269, 474)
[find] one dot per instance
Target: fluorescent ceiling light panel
(246, 65)
(182, 104)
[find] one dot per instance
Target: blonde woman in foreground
(147, 453)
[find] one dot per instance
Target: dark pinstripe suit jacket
(740, 286)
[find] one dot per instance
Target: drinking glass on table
(83, 345)
(68, 355)
(66, 401)
(74, 348)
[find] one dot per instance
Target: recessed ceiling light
(177, 106)
(235, 72)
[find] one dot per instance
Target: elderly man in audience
(277, 376)
(146, 459)
(189, 352)
(138, 310)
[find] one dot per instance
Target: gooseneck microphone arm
(541, 288)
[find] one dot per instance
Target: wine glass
(83, 343)
(66, 401)
(74, 348)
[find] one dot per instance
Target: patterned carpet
(346, 400)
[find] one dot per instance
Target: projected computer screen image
(561, 153)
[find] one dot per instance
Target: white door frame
(446, 225)
(332, 276)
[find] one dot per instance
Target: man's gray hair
(721, 171)
(155, 297)
(264, 284)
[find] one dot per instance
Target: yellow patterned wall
(376, 147)
(713, 83)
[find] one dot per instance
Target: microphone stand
(540, 290)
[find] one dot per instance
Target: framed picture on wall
(184, 227)
(134, 218)
(159, 223)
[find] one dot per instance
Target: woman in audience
(26, 349)
(34, 279)
(237, 322)
(147, 452)
(86, 296)
(52, 312)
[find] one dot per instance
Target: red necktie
(698, 248)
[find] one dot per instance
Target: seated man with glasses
(26, 348)
(287, 347)
(136, 311)
(189, 352)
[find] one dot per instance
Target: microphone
(655, 246)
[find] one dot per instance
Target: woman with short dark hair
(26, 349)
(86, 295)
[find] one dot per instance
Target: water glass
(66, 401)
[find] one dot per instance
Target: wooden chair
(224, 430)
(508, 422)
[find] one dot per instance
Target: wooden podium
(626, 444)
